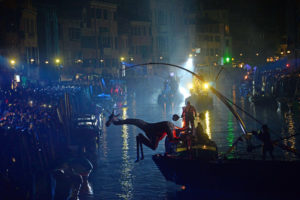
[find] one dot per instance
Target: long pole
(215, 91)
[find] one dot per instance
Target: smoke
(186, 78)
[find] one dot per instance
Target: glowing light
(57, 60)
(189, 64)
(217, 55)
(46, 62)
(161, 58)
(17, 78)
(122, 58)
(257, 54)
(227, 59)
(131, 59)
(205, 86)
(281, 53)
(241, 54)
(288, 51)
(184, 92)
(190, 86)
(13, 159)
(12, 62)
(287, 65)
(246, 77)
(191, 55)
(183, 187)
(232, 59)
(31, 60)
(101, 60)
(186, 79)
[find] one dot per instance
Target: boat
(202, 167)
(230, 175)
(200, 97)
(200, 101)
(169, 95)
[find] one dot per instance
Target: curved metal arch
(215, 91)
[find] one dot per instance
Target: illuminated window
(226, 29)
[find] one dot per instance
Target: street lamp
(46, 62)
(57, 61)
(31, 60)
(78, 61)
(12, 62)
(122, 59)
(131, 59)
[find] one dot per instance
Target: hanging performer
(155, 132)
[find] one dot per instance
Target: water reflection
(291, 130)
(230, 135)
(103, 143)
(207, 124)
(126, 167)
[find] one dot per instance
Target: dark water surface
(119, 177)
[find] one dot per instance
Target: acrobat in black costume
(155, 132)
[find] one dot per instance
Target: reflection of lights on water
(125, 130)
(126, 168)
(103, 141)
(291, 131)
(164, 112)
(207, 123)
(230, 130)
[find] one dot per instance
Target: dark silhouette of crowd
(33, 137)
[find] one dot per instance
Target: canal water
(117, 176)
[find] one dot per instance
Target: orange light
(183, 187)
(287, 65)
(246, 77)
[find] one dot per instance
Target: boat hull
(242, 175)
